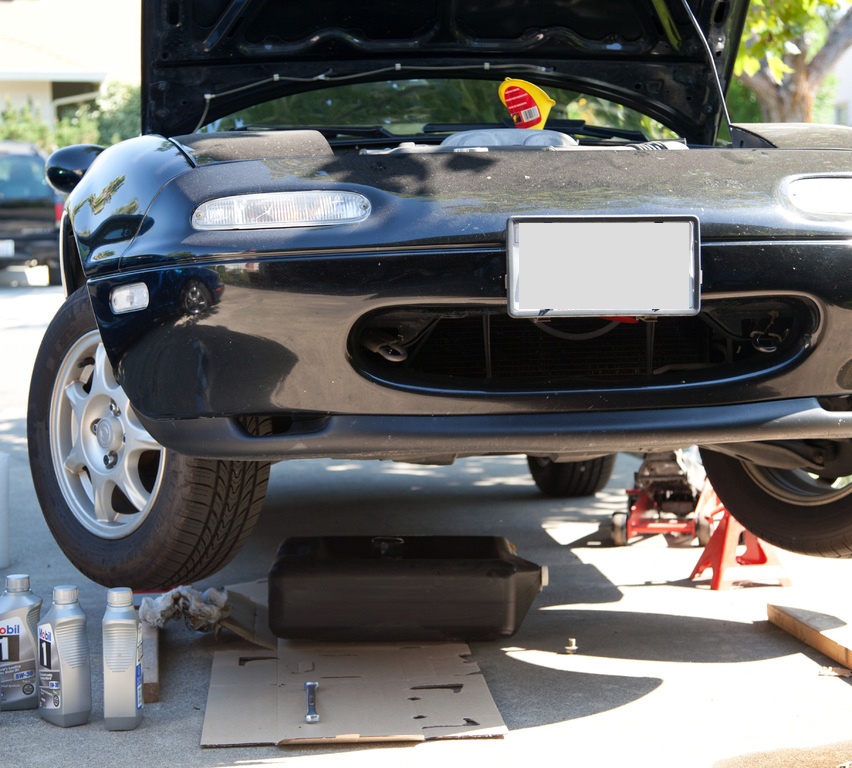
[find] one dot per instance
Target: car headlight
(271, 210)
(826, 195)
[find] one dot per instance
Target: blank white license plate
(7, 247)
(565, 266)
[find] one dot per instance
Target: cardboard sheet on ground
(367, 692)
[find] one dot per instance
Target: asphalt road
(667, 673)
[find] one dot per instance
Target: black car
(29, 210)
(434, 230)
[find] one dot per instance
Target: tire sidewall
(819, 529)
(122, 561)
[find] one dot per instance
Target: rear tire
(788, 508)
(54, 274)
(572, 478)
(125, 510)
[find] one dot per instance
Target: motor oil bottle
(20, 610)
(122, 645)
(64, 668)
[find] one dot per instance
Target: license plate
(634, 266)
(7, 247)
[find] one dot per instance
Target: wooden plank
(150, 663)
(828, 634)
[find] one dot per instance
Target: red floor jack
(664, 500)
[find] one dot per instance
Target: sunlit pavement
(667, 671)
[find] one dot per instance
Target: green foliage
(118, 113)
(24, 124)
(742, 104)
(406, 107)
(776, 29)
(78, 127)
(114, 117)
(825, 101)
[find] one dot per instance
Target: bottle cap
(17, 582)
(65, 594)
(120, 596)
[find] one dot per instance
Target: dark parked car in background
(29, 210)
(421, 231)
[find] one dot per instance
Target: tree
(114, 117)
(118, 112)
(790, 47)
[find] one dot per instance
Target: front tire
(791, 509)
(125, 510)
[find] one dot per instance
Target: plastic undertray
(400, 588)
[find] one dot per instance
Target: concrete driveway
(667, 673)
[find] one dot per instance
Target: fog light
(312, 208)
(128, 298)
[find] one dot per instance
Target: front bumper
(278, 339)
(284, 333)
(419, 438)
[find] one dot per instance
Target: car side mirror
(66, 166)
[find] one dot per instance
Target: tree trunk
(790, 102)
(793, 100)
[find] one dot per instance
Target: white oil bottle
(122, 635)
(64, 667)
(19, 614)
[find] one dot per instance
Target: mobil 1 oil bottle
(122, 634)
(19, 614)
(64, 668)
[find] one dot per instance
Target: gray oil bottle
(64, 668)
(19, 615)
(122, 634)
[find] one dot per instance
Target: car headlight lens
(826, 195)
(271, 210)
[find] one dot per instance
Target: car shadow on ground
(624, 654)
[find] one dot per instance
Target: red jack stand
(720, 554)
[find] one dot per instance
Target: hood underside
(645, 54)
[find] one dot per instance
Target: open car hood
(645, 54)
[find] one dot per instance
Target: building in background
(58, 53)
(843, 93)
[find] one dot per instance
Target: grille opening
(486, 349)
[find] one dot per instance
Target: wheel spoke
(75, 460)
(126, 477)
(138, 439)
(103, 382)
(77, 399)
(103, 488)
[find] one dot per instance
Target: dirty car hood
(643, 53)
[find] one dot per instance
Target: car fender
(108, 208)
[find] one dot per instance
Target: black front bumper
(415, 438)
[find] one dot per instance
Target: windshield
(22, 178)
(414, 107)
